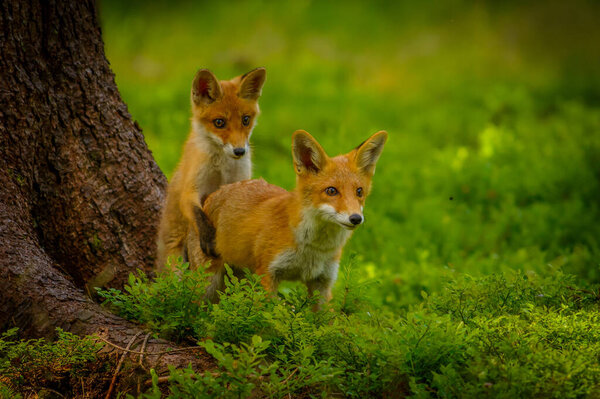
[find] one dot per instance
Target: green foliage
(171, 304)
(523, 336)
(27, 366)
(244, 371)
(504, 335)
(240, 314)
(239, 374)
(491, 296)
(353, 292)
(7, 393)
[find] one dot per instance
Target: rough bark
(80, 193)
(90, 183)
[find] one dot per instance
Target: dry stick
(46, 389)
(160, 380)
(114, 379)
(148, 353)
(142, 353)
(141, 360)
(144, 348)
(287, 379)
(290, 376)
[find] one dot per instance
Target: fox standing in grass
(297, 235)
(216, 152)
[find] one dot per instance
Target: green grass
(38, 368)
(492, 166)
(504, 335)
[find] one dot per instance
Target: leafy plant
(38, 364)
(171, 304)
(242, 310)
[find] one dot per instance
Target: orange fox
(216, 152)
(297, 235)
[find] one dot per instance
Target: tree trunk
(80, 193)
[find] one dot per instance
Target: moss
(96, 243)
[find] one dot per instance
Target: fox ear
(205, 88)
(369, 151)
(252, 83)
(308, 154)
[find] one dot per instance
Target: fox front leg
(323, 285)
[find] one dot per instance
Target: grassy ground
(476, 272)
(493, 161)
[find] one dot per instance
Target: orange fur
(297, 235)
(208, 160)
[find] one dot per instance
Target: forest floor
(476, 273)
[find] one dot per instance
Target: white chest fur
(314, 258)
(221, 168)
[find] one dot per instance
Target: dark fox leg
(217, 285)
(206, 233)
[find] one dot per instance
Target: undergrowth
(505, 335)
(493, 164)
(40, 367)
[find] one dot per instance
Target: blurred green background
(493, 111)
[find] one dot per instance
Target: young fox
(216, 153)
(296, 235)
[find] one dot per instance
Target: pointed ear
(251, 84)
(308, 154)
(205, 88)
(369, 151)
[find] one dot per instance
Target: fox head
(335, 187)
(225, 112)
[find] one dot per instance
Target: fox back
(216, 152)
(296, 235)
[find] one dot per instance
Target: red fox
(216, 152)
(297, 235)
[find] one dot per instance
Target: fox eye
(359, 192)
(245, 120)
(219, 123)
(331, 191)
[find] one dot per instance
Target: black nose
(355, 219)
(239, 151)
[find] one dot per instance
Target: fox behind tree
(216, 152)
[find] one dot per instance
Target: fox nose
(355, 219)
(239, 151)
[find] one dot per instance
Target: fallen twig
(148, 353)
(144, 348)
(114, 379)
(141, 361)
(289, 376)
